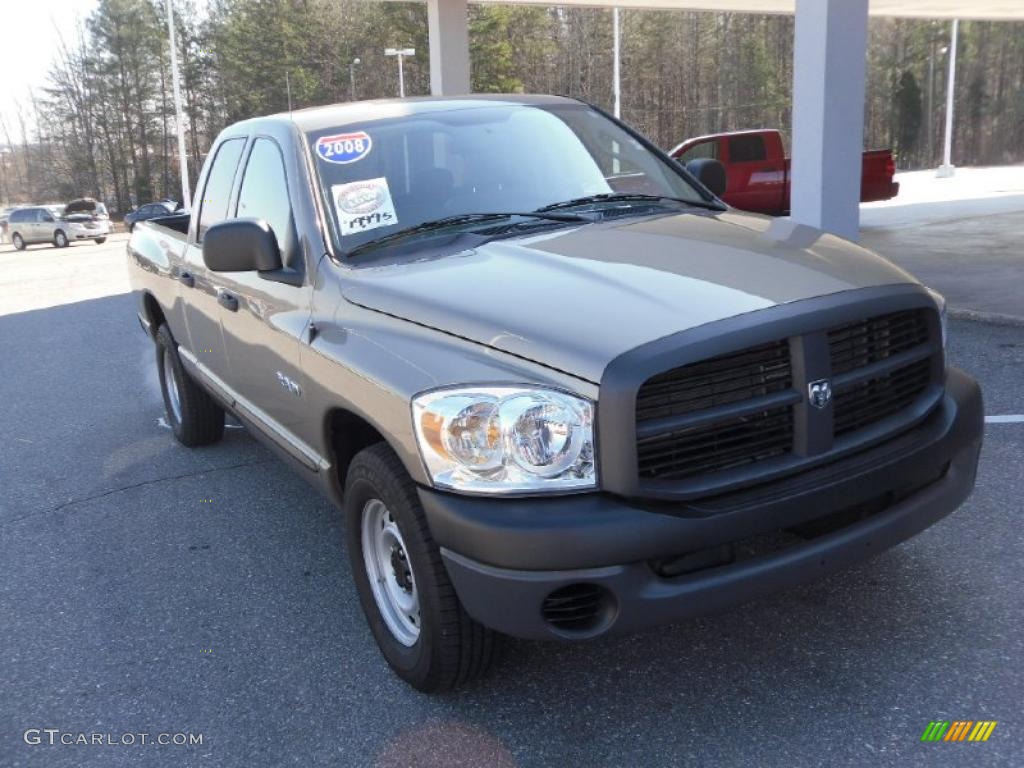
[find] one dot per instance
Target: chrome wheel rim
(390, 572)
(173, 396)
(62, 239)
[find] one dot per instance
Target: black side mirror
(710, 173)
(241, 245)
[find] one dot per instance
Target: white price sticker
(363, 205)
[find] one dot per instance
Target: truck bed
(179, 222)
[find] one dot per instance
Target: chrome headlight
(506, 439)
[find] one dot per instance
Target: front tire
(410, 604)
(18, 241)
(194, 417)
(100, 240)
(60, 239)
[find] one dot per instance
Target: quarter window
(214, 205)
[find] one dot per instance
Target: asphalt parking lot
(146, 587)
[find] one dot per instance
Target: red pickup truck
(757, 169)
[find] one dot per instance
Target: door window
(214, 206)
(264, 193)
(706, 149)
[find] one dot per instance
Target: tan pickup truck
(557, 388)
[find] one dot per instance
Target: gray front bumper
(504, 564)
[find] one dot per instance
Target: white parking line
(162, 423)
(1013, 418)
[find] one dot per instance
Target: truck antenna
(288, 87)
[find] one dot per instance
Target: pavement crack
(130, 486)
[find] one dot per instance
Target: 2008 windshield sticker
(363, 205)
(344, 148)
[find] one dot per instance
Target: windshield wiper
(626, 197)
(461, 218)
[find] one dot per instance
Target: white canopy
(996, 10)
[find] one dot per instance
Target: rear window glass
(20, 215)
(746, 149)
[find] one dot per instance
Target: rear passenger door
(199, 287)
(262, 329)
(35, 226)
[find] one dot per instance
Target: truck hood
(575, 299)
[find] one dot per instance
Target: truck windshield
(393, 174)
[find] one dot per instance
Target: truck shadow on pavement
(150, 585)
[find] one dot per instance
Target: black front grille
(738, 409)
(864, 342)
(716, 447)
(868, 402)
(867, 342)
(718, 381)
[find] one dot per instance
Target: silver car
(41, 224)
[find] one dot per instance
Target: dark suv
(147, 212)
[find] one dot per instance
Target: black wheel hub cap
(400, 565)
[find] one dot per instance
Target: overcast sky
(29, 30)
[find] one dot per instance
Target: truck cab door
(264, 320)
(199, 287)
(699, 150)
(756, 181)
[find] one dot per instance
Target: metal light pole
(186, 191)
(352, 78)
(4, 193)
(930, 111)
(401, 53)
(946, 169)
(616, 85)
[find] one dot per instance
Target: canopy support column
(828, 114)
(448, 28)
